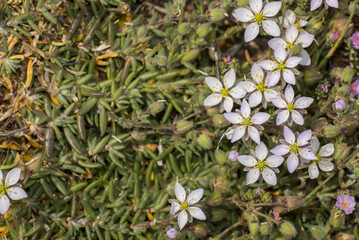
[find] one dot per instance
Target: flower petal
(269, 176)
(255, 99)
(180, 192)
(293, 61)
(304, 137)
(306, 61)
(238, 133)
(228, 104)
(280, 53)
(260, 118)
(247, 86)
(270, 27)
(281, 150)
(214, 84)
(271, 9)
(247, 160)
(282, 117)
(288, 135)
(307, 154)
(254, 134)
(252, 176)
(195, 196)
(1, 177)
(237, 92)
(292, 162)
(261, 151)
(175, 206)
(251, 32)
(305, 39)
(297, 117)
(243, 14)
(314, 145)
(4, 203)
(13, 176)
(291, 34)
(245, 109)
(289, 94)
(229, 78)
(314, 4)
(234, 118)
(274, 161)
(257, 73)
(16, 193)
(182, 219)
(303, 102)
(273, 78)
(326, 166)
(213, 99)
(332, 3)
(313, 171)
(276, 41)
(268, 65)
(327, 150)
(269, 94)
(279, 103)
(290, 17)
(197, 213)
(288, 76)
(256, 5)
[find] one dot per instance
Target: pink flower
(346, 203)
(355, 40)
(354, 88)
(335, 36)
(227, 60)
(233, 155)
(276, 215)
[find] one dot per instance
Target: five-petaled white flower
(290, 19)
(247, 126)
(220, 92)
(291, 108)
(293, 38)
(7, 185)
(258, 17)
(314, 4)
(261, 165)
(294, 147)
(282, 65)
(184, 205)
(322, 158)
(258, 87)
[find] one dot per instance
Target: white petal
(257, 73)
(180, 192)
(1, 177)
(251, 32)
(288, 76)
(234, 118)
(313, 171)
(280, 53)
(229, 78)
(195, 196)
(307, 154)
(213, 99)
(290, 16)
(297, 117)
(237, 92)
(333, 3)
(304, 137)
(229, 134)
(4, 203)
(175, 207)
(288, 135)
(245, 109)
(252, 176)
(255, 5)
(238, 133)
(282, 117)
(272, 8)
(314, 4)
(228, 104)
(305, 39)
(271, 28)
(243, 14)
(281, 149)
(13, 176)
(327, 150)
(289, 94)
(293, 61)
(268, 65)
(182, 219)
(273, 78)
(197, 213)
(247, 86)
(314, 144)
(254, 134)
(255, 99)
(269, 94)
(302, 23)
(326, 166)
(274, 161)
(303, 102)
(276, 41)
(292, 162)
(261, 151)
(214, 84)
(279, 103)
(291, 34)
(306, 61)
(269, 176)
(247, 160)
(16, 193)
(260, 118)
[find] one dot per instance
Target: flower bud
(191, 55)
(171, 233)
(341, 151)
(342, 90)
(204, 141)
(253, 225)
(288, 230)
(219, 121)
(156, 107)
(293, 202)
(220, 156)
(218, 214)
(242, 3)
(312, 76)
(266, 197)
(199, 230)
(220, 184)
(344, 236)
(212, 111)
(183, 126)
(266, 228)
(337, 218)
(233, 155)
(184, 28)
(318, 232)
(217, 14)
(347, 74)
(339, 105)
(35, 163)
(203, 30)
(336, 73)
(215, 199)
(331, 131)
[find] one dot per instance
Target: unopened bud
(266, 197)
(156, 107)
(215, 199)
(331, 131)
(342, 90)
(171, 233)
(212, 111)
(242, 3)
(348, 74)
(266, 228)
(191, 55)
(199, 230)
(339, 105)
(344, 236)
(35, 163)
(219, 121)
(341, 151)
(220, 156)
(318, 232)
(253, 225)
(218, 214)
(217, 14)
(233, 155)
(293, 202)
(288, 230)
(203, 30)
(183, 126)
(337, 218)
(312, 76)
(204, 141)
(184, 28)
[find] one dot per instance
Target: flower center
(184, 205)
(260, 87)
(345, 204)
(294, 148)
(290, 107)
(261, 165)
(247, 122)
(225, 92)
(319, 158)
(2, 189)
(280, 66)
(259, 17)
(290, 45)
(296, 25)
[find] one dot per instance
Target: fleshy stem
(317, 188)
(336, 45)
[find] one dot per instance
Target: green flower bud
(341, 151)
(312, 76)
(221, 156)
(266, 228)
(266, 197)
(35, 163)
(242, 3)
(212, 111)
(191, 55)
(204, 141)
(318, 232)
(217, 14)
(293, 202)
(331, 131)
(203, 30)
(215, 199)
(253, 225)
(219, 121)
(336, 73)
(199, 230)
(183, 126)
(288, 230)
(337, 218)
(161, 61)
(184, 28)
(344, 236)
(218, 214)
(156, 107)
(348, 74)
(342, 90)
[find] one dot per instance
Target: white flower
(258, 88)
(290, 19)
(314, 4)
(290, 107)
(13, 191)
(219, 92)
(185, 205)
(258, 17)
(294, 147)
(322, 161)
(293, 38)
(245, 123)
(262, 166)
(281, 66)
